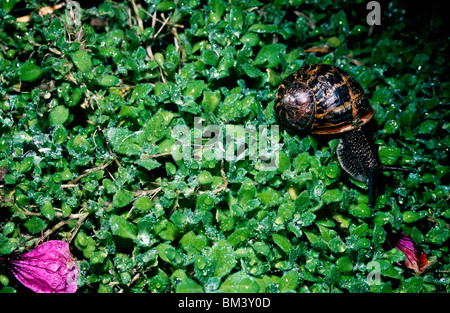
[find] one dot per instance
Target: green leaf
(194, 88)
(169, 254)
(26, 164)
(187, 285)
(143, 203)
(289, 281)
(361, 210)
(270, 55)
(333, 170)
(7, 5)
(251, 71)
(427, 127)
(122, 198)
(148, 164)
(389, 155)
(333, 195)
(210, 57)
(144, 228)
(124, 141)
(344, 264)
(122, 228)
(58, 115)
(30, 72)
(108, 81)
(82, 60)
(240, 282)
(222, 257)
(165, 6)
(47, 210)
(282, 242)
(7, 247)
(35, 225)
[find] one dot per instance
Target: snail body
(324, 100)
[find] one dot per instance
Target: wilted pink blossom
(49, 268)
(416, 259)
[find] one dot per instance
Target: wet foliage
(100, 145)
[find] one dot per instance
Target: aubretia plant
(140, 133)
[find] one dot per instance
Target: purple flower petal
(415, 259)
(48, 268)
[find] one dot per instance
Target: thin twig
(144, 193)
(79, 223)
(156, 155)
(136, 12)
(321, 49)
(88, 171)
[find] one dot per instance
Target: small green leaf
(187, 285)
(344, 264)
(240, 282)
(30, 72)
(194, 88)
(389, 155)
(251, 71)
(82, 60)
(289, 281)
(168, 253)
(35, 225)
(165, 6)
(282, 242)
(222, 257)
(210, 101)
(122, 228)
(270, 55)
(26, 164)
(205, 178)
(8, 228)
(361, 210)
(58, 115)
(237, 17)
(210, 57)
(390, 127)
(333, 42)
(148, 164)
(47, 210)
(250, 38)
(144, 227)
(143, 203)
(427, 127)
(410, 216)
(333, 195)
(108, 81)
(7, 5)
(122, 198)
(7, 247)
(332, 170)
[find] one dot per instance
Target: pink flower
(415, 258)
(49, 268)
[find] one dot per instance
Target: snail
(324, 100)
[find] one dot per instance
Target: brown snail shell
(323, 99)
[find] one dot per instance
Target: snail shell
(321, 99)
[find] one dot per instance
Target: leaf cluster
(93, 106)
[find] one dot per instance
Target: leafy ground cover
(95, 100)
